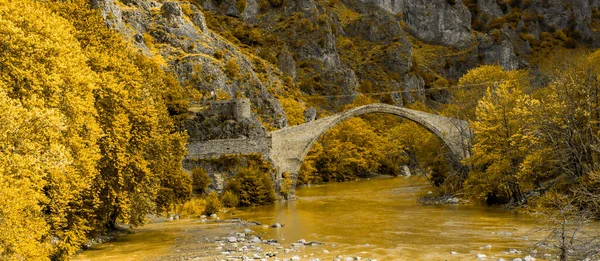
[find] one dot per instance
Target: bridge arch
(291, 145)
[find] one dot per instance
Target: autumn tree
(44, 68)
(472, 87)
(504, 138)
(90, 127)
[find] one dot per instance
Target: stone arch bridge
(287, 147)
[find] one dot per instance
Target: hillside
(284, 55)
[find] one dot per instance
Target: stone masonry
(287, 147)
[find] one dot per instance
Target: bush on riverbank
(192, 208)
(200, 180)
(213, 204)
(229, 199)
(253, 186)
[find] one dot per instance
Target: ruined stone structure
(287, 147)
(238, 107)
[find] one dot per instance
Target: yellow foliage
(505, 138)
(472, 86)
(85, 136)
(192, 208)
(30, 152)
(294, 110)
(232, 69)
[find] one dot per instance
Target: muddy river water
(378, 219)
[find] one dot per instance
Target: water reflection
(383, 218)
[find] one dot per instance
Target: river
(378, 219)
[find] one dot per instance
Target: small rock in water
(529, 258)
(276, 225)
(488, 247)
(295, 258)
(232, 239)
(481, 256)
(453, 253)
(517, 259)
(302, 241)
(500, 259)
(247, 231)
(213, 215)
(325, 251)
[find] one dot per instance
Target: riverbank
(194, 239)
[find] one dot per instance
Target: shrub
(287, 185)
(229, 199)
(241, 5)
(528, 37)
(232, 69)
(253, 186)
(200, 180)
(496, 23)
(213, 205)
(193, 207)
(219, 54)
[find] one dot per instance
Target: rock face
(438, 21)
(180, 40)
(268, 48)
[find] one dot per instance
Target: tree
(43, 66)
(107, 150)
(472, 87)
(30, 152)
(571, 229)
(200, 180)
(253, 186)
(504, 138)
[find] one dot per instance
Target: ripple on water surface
(383, 218)
(378, 218)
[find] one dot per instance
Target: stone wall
(216, 148)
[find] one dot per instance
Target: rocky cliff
(302, 49)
